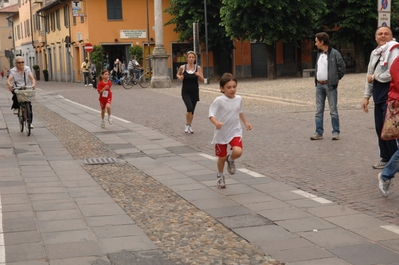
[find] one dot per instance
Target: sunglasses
(20, 62)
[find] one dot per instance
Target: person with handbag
(330, 68)
(388, 173)
(377, 85)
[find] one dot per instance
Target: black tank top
(190, 81)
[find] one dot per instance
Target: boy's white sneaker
(103, 124)
(221, 184)
(231, 166)
(110, 121)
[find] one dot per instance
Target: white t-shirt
(322, 68)
(226, 110)
(21, 79)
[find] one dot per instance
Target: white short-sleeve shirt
(226, 110)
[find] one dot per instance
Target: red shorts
(221, 149)
(105, 101)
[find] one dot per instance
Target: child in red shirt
(104, 90)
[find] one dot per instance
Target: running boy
(225, 113)
(104, 89)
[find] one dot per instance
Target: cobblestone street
(282, 114)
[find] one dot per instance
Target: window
(52, 21)
(114, 9)
(82, 19)
(289, 52)
(57, 15)
(48, 23)
(37, 23)
(74, 20)
(19, 31)
(28, 27)
(66, 16)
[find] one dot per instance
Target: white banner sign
(133, 34)
(384, 19)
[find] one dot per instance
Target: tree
(356, 21)
(186, 12)
(137, 51)
(268, 21)
(97, 57)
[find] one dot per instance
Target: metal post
(148, 39)
(206, 44)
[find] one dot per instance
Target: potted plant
(36, 68)
(45, 74)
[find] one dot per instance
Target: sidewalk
(54, 213)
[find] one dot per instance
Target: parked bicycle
(144, 80)
(25, 95)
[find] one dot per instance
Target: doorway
(113, 52)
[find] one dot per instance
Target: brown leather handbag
(390, 129)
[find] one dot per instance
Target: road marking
(267, 98)
(251, 173)
(209, 157)
(243, 170)
(311, 196)
(392, 228)
(2, 246)
(86, 107)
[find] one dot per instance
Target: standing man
(85, 71)
(377, 84)
(330, 68)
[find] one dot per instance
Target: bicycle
(144, 80)
(25, 114)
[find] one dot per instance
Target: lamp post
(206, 44)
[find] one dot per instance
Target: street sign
(384, 19)
(88, 47)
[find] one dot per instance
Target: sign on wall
(133, 34)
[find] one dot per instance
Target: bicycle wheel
(27, 119)
(127, 83)
(21, 119)
(144, 81)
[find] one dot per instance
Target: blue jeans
(322, 92)
(392, 167)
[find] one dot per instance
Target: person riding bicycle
(20, 75)
(134, 68)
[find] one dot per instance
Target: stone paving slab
(298, 245)
(370, 254)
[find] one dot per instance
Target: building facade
(52, 34)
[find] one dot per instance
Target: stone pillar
(161, 78)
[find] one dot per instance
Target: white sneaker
(31, 126)
(186, 129)
(231, 166)
(110, 121)
(220, 183)
(190, 130)
(103, 124)
(16, 111)
(85, 85)
(383, 185)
